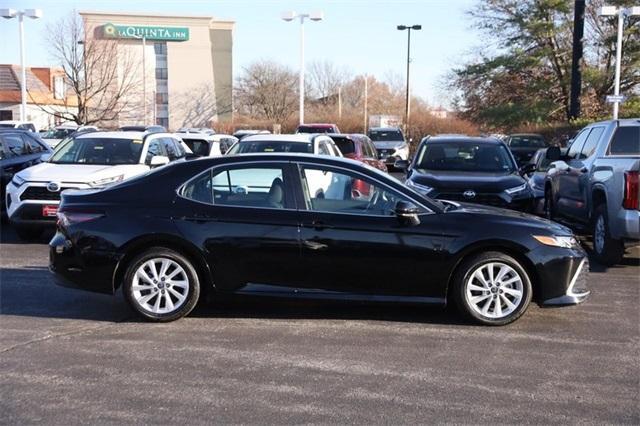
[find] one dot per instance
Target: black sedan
(471, 169)
(287, 225)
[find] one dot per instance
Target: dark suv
(19, 149)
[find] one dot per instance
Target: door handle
(319, 225)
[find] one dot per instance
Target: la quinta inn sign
(150, 33)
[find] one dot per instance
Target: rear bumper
(82, 268)
(627, 225)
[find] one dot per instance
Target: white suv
(90, 160)
(300, 142)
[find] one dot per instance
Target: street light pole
(621, 13)
(408, 98)
(33, 14)
(290, 16)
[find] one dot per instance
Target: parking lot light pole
(407, 100)
(290, 16)
(621, 13)
(33, 14)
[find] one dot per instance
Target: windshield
(107, 151)
(198, 146)
(271, 146)
(346, 145)
(385, 135)
(465, 156)
(526, 142)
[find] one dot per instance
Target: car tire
(606, 249)
(492, 288)
(28, 233)
(161, 285)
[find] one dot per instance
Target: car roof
(537, 135)
(115, 135)
(463, 138)
(385, 129)
(318, 125)
(621, 122)
(298, 137)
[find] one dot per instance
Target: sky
(360, 35)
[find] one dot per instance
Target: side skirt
(267, 290)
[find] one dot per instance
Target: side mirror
(407, 213)
(45, 157)
(553, 153)
(402, 165)
(527, 169)
(561, 165)
(158, 160)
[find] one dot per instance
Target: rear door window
(34, 145)
(626, 141)
(155, 148)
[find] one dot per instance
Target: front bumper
(391, 155)
(562, 275)
(30, 214)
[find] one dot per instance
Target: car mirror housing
(407, 213)
(159, 160)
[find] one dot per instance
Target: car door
(576, 179)
(243, 217)
(352, 242)
(561, 175)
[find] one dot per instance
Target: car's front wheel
(161, 285)
(492, 288)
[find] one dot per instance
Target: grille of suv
(41, 193)
(487, 199)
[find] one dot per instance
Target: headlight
(557, 241)
(17, 180)
(418, 187)
(106, 181)
(516, 189)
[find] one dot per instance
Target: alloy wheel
(494, 290)
(160, 285)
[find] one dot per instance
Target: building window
(162, 87)
(58, 87)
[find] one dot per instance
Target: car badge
(469, 194)
(53, 187)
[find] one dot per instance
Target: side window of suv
(323, 149)
(170, 148)
(15, 145)
(155, 148)
(578, 143)
(591, 143)
(34, 145)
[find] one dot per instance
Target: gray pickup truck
(594, 187)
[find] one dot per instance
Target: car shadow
(631, 258)
(8, 236)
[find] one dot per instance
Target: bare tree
(325, 79)
(267, 90)
(104, 80)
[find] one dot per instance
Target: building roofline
(153, 15)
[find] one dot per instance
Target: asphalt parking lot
(70, 357)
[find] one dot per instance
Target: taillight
(71, 217)
(631, 189)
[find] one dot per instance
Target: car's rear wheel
(608, 250)
(492, 288)
(161, 285)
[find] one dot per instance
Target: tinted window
(271, 146)
(155, 148)
(526, 142)
(313, 129)
(15, 145)
(108, 151)
(251, 187)
(626, 141)
(34, 146)
(339, 192)
(198, 146)
(386, 135)
(591, 143)
(170, 148)
(578, 143)
(345, 145)
(465, 156)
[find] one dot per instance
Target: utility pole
(366, 95)
(576, 71)
(408, 99)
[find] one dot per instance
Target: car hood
(387, 144)
(79, 173)
(508, 217)
(461, 181)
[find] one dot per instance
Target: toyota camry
(304, 226)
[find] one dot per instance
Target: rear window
(626, 141)
(347, 146)
(313, 129)
(386, 135)
(197, 146)
(526, 142)
(271, 146)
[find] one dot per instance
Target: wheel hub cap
(160, 286)
(494, 290)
